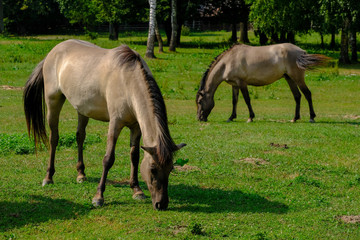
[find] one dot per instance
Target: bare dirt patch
(350, 219)
(254, 161)
(7, 87)
(186, 168)
(352, 117)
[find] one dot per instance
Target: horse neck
(144, 109)
(214, 78)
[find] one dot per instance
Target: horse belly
(89, 105)
(260, 76)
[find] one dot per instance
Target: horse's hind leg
(245, 93)
(299, 79)
(235, 98)
(54, 106)
(135, 136)
(297, 96)
(80, 138)
(108, 161)
(305, 90)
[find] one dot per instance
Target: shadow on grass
(185, 198)
(38, 209)
(338, 123)
(196, 199)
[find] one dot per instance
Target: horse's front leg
(135, 135)
(108, 161)
(245, 93)
(80, 138)
(235, 98)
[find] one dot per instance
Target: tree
(81, 12)
(1, 17)
(174, 26)
(348, 14)
(152, 24)
(282, 19)
(231, 12)
(158, 37)
(114, 12)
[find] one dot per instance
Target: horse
(243, 65)
(111, 85)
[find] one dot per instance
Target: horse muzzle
(161, 205)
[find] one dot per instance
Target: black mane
(212, 65)
(166, 146)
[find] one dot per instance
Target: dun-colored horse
(113, 85)
(244, 65)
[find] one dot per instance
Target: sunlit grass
(236, 184)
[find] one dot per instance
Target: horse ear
(151, 150)
(180, 146)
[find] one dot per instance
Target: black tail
(34, 105)
(310, 61)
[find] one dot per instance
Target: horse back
(261, 65)
(85, 74)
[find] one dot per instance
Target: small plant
(185, 31)
(91, 35)
(181, 161)
(196, 229)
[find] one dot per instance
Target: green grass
(294, 193)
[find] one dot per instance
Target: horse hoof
(47, 182)
(311, 120)
(229, 120)
(139, 196)
(293, 121)
(98, 202)
(249, 120)
(81, 179)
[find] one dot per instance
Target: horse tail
(310, 61)
(34, 105)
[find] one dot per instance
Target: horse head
(205, 103)
(156, 175)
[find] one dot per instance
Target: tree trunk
(283, 36)
(233, 33)
(322, 40)
(1, 17)
(344, 50)
(291, 37)
(332, 42)
(274, 38)
(152, 24)
(158, 37)
(178, 34)
(353, 46)
(113, 31)
(174, 26)
(263, 38)
(167, 26)
(244, 37)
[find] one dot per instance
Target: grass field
(236, 183)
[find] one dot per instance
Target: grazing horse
(243, 65)
(112, 85)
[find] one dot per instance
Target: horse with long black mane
(113, 85)
(244, 65)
